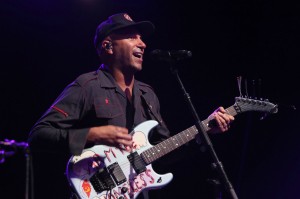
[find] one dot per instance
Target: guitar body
(104, 172)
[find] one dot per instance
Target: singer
(102, 107)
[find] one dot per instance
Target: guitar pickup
(137, 162)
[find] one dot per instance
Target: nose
(141, 44)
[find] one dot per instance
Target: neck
(125, 79)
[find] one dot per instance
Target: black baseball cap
(119, 21)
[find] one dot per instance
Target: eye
(132, 37)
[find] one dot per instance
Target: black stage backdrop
(46, 44)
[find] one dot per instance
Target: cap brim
(146, 28)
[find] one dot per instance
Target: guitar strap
(149, 110)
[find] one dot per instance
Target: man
(104, 106)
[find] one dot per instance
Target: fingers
(226, 116)
(221, 122)
(110, 135)
(122, 137)
(223, 119)
(126, 139)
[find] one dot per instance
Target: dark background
(46, 44)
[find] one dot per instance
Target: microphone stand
(29, 190)
(216, 164)
(16, 146)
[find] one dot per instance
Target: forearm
(45, 138)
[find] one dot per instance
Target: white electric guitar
(104, 172)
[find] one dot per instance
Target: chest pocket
(107, 108)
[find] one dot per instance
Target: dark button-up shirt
(94, 99)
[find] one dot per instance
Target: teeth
(137, 54)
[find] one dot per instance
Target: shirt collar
(107, 81)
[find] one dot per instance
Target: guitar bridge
(117, 173)
(105, 178)
(101, 180)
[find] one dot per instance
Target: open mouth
(138, 54)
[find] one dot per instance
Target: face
(128, 49)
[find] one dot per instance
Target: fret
(231, 110)
(181, 138)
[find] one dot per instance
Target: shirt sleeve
(59, 129)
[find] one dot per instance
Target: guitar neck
(178, 140)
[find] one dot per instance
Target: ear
(107, 45)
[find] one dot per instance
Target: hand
(221, 120)
(110, 135)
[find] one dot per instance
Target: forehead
(125, 32)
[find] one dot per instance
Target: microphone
(172, 55)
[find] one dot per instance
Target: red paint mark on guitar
(86, 187)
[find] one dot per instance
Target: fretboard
(174, 142)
